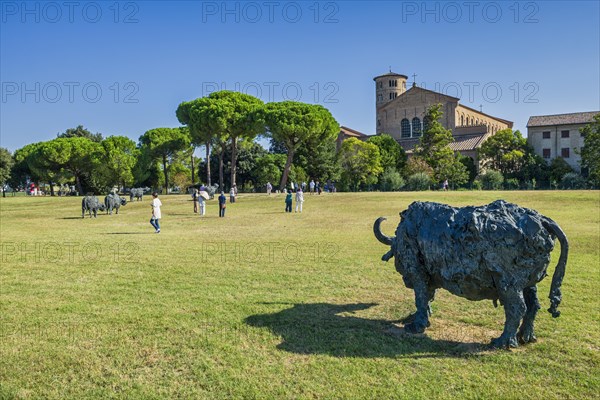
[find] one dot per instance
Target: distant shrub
(418, 182)
(477, 185)
(511, 184)
(391, 180)
(572, 180)
(491, 180)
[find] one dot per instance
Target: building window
(546, 153)
(546, 135)
(405, 128)
(426, 124)
(472, 121)
(564, 134)
(564, 152)
(462, 120)
(416, 127)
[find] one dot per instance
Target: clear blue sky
(543, 56)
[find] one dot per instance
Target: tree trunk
(51, 189)
(78, 183)
(286, 170)
(221, 169)
(166, 174)
(208, 183)
(233, 160)
(193, 180)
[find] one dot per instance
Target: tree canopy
(163, 144)
(361, 163)
(80, 131)
(505, 152)
(590, 152)
(6, 164)
(434, 149)
(295, 124)
(392, 154)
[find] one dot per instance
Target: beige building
(559, 135)
(400, 112)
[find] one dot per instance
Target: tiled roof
(461, 142)
(351, 132)
(562, 119)
(468, 142)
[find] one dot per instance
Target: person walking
(269, 188)
(232, 195)
(299, 199)
(311, 186)
(202, 203)
(222, 204)
(288, 202)
(156, 214)
(445, 185)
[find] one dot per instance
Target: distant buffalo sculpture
(91, 204)
(113, 202)
(499, 251)
(211, 190)
(137, 193)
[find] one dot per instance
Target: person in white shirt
(202, 203)
(299, 199)
(311, 186)
(156, 215)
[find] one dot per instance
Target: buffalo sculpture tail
(559, 271)
(380, 236)
(383, 238)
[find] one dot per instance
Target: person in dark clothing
(288, 202)
(222, 204)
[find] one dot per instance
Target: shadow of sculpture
(318, 328)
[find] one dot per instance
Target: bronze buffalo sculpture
(92, 205)
(114, 201)
(499, 251)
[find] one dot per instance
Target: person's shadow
(318, 329)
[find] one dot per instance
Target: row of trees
(225, 119)
(303, 146)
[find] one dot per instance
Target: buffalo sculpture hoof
(526, 336)
(504, 342)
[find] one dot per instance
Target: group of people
(199, 197)
(199, 200)
(313, 187)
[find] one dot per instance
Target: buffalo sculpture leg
(526, 334)
(514, 309)
(423, 296)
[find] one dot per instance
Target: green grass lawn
(263, 304)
